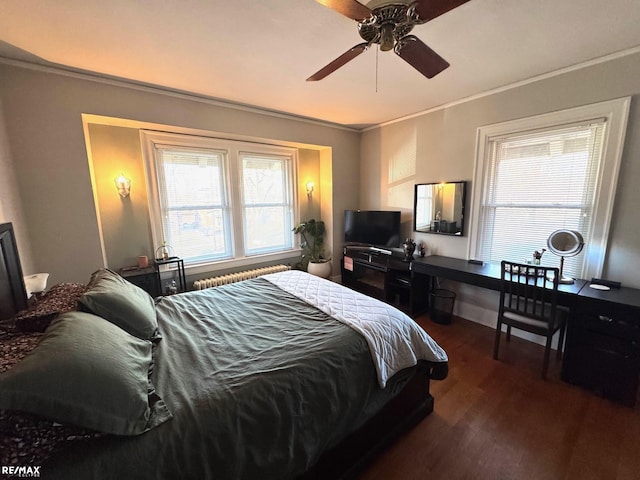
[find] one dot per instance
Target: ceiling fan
(389, 25)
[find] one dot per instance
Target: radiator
(237, 276)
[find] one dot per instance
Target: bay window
(218, 200)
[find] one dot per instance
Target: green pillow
(89, 373)
(122, 303)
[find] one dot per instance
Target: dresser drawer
(147, 279)
(607, 372)
(603, 349)
(609, 345)
(609, 319)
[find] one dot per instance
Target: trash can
(442, 305)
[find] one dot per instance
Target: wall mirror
(439, 208)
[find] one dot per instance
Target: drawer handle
(604, 318)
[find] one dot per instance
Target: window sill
(255, 260)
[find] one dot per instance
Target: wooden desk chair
(528, 301)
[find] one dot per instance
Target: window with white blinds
(538, 175)
(538, 183)
(219, 200)
(194, 203)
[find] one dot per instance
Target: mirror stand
(565, 243)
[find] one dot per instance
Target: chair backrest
(529, 290)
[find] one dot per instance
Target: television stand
(366, 248)
(386, 277)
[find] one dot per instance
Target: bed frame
(344, 461)
(408, 408)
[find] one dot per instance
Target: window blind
(216, 200)
(194, 203)
(538, 182)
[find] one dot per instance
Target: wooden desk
(485, 276)
(602, 349)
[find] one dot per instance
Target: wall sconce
(123, 185)
(309, 189)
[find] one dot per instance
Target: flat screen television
(372, 227)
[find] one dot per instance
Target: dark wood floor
(500, 420)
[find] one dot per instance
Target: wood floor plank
(500, 420)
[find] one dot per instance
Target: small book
(348, 263)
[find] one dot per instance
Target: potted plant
(312, 244)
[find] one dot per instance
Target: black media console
(383, 275)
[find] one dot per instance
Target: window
(193, 202)
(215, 200)
(537, 175)
(266, 203)
(423, 207)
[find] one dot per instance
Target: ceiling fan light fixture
(386, 37)
(389, 26)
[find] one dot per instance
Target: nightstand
(168, 266)
(145, 278)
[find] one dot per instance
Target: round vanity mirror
(565, 243)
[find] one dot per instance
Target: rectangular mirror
(439, 208)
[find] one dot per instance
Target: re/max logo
(20, 471)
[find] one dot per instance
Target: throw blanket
(394, 339)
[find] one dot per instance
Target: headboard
(13, 295)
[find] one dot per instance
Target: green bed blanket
(260, 384)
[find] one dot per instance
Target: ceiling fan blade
(414, 51)
(338, 62)
(349, 8)
(430, 9)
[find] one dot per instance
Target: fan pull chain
(377, 50)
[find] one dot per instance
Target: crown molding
(504, 88)
(150, 88)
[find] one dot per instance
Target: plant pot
(320, 269)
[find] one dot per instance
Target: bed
(274, 377)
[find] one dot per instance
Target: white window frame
(233, 184)
(615, 113)
(289, 193)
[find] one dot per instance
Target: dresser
(602, 350)
(160, 278)
(145, 278)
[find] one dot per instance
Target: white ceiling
(259, 52)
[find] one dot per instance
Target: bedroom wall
(10, 203)
(125, 225)
(309, 171)
(124, 222)
(46, 138)
(441, 145)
